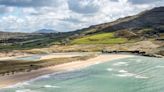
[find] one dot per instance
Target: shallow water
(30, 58)
(37, 57)
(136, 74)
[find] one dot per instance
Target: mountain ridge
(46, 31)
(149, 18)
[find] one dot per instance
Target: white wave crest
(123, 71)
(51, 86)
(127, 74)
(25, 90)
(141, 77)
(120, 64)
(21, 84)
(159, 66)
(45, 76)
(138, 60)
(109, 69)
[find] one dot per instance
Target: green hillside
(104, 38)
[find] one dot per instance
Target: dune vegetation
(8, 67)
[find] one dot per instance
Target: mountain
(45, 31)
(147, 19)
(150, 20)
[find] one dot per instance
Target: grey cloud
(139, 1)
(79, 7)
(29, 3)
(36, 13)
(114, 0)
(143, 1)
(4, 9)
(72, 20)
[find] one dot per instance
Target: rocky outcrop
(142, 53)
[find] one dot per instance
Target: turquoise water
(136, 74)
(30, 58)
(37, 57)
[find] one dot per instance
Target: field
(104, 38)
(13, 41)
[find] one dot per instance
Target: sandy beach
(9, 80)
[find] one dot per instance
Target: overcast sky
(66, 15)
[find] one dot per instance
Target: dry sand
(9, 80)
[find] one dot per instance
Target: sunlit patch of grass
(104, 38)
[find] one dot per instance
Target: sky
(66, 15)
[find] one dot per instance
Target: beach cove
(122, 74)
(9, 80)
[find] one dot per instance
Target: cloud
(29, 3)
(4, 9)
(143, 1)
(72, 20)
(66, 15)
(84, 6)
(138, 1)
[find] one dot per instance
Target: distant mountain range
(45, 31)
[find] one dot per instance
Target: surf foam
(120, 64)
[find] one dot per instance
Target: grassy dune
(104, 38)
(8, 67)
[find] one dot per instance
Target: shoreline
(136, 52)
(9, 80)
(12, 57)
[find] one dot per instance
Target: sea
(134, 74)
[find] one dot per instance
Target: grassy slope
(104, 38)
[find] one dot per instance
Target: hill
(143, 32)
(45, 31)
(147, 24)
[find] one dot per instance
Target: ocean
(134, 74)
